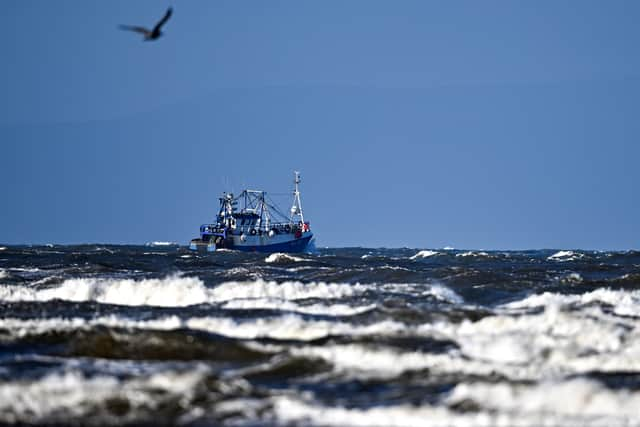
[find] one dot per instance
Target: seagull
(153, 34)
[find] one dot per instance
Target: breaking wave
(578, 399)
(472, 254)
(174, 291)
(283, 305)
(601, 407)
(623, 302)
(424, 254)
(565, 256)
(575, 402)
(60, 397)
(284, 327)
(178, 291)
(162, 244)
(260, 289)
(279, 257)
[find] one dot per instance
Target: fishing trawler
(258, 226)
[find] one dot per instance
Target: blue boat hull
(297, 245)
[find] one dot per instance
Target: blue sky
(493, 124)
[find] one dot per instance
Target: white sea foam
(570, 278)
(574, 398)
(424, 254)
(178, 291)
(562, 256)
(3, 273)
(279, 257)
(472, 254)
(61, 396)
(368, 361)
(174, 291)
(291, 410)
(162, 244)
(306, 268)
(287, 327)
(316, 309)
(286, 290)
(303, 410)
(435, 290)
(549, 344)
(623, 302)
(290, 327)
(25, 269)
(3, 248)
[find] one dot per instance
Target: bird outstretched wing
(140, 30)
(164, 19)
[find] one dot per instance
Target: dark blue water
(157, 335)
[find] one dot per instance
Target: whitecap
(286, 290)
(162, 244)
(25, 270)
(562, 256)
(303, 410)
(571, 278)
(305, 268)
(472, 254)
(172, 291)
(279, 257)
(374, 362)
(60, 397)
(291, 410)
(290, 327)
(623, 302)
(3, 273)
(285, 327)
(549, 344)
(283, 305)
(437, 291)
(178, 291)
(424, 254)
(575, 398)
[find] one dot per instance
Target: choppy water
(343, 337)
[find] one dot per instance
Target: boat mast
(296, 209)
(265, 216)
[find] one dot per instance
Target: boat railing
(277, 227)
(211, 229)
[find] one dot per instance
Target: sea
(158, 335)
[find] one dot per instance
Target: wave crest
(563, 256)
(424, 254)
(174, 291)
(280, 257)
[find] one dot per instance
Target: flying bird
(153, 34)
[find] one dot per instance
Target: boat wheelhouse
(257, 226)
